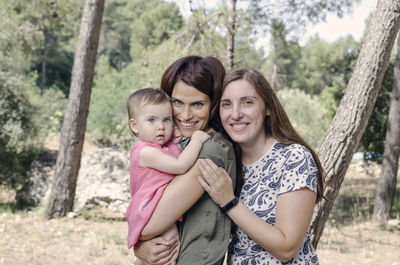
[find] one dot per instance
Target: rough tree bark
(44, 60)
(73, 130)
(231, 26)
(355, 108)
(386, 189)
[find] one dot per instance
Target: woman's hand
(215, 181)
(156, 251)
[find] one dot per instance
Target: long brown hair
(206, 74)
(277, 124)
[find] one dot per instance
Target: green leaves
(307, 114)
(18, 133)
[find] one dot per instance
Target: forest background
(138, 40)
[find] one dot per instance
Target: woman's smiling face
(191, 109)
(243, 112)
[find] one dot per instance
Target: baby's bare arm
(154, 158)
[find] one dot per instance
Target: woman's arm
(293, 214)
(180, 194)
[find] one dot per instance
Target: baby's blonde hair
(145, 96)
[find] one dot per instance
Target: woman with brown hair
(282, 176)
(194, 84)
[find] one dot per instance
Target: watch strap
(232, 203)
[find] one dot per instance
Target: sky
(331, 30)
(335, 27)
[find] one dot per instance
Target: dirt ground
(98, 237)
(361, 243)
(28, 238)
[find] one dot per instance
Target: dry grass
(350, 237)
(359, 243)
(28, 238)
(98, 236)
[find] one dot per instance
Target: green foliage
(352, 206)
(115, 33)
(342, 58)
(282, 62)
(9, 207)
(57, 22)
(56, 15)
(197, 37)
(245, 52)
(59, 63)
(107, 118)
(139, 39)
(132, 26)
(331, 97)
(18, 133)
(373, 139)
(324, 65)
(18, 142)
(306, 113)
(295, 14)
(247, 55)
(50, 112)
(152, 51)
(154, 26)
(17, 40)
(355, 201)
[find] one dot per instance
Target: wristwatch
(232, 203)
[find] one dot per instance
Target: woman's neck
(254, 151)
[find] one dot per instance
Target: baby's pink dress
(146, 186)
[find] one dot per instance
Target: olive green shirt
(205, 230)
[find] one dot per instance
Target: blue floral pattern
(284, 168)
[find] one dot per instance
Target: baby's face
(153, 123)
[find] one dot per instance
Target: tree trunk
(73, 130)
(231, 26)
(386, 189)
(351, 118)
(44, 60)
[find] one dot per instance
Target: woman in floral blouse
(282, 176)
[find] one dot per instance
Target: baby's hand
(176, 136)
(200, 136)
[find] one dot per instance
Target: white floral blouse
(284, 168)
